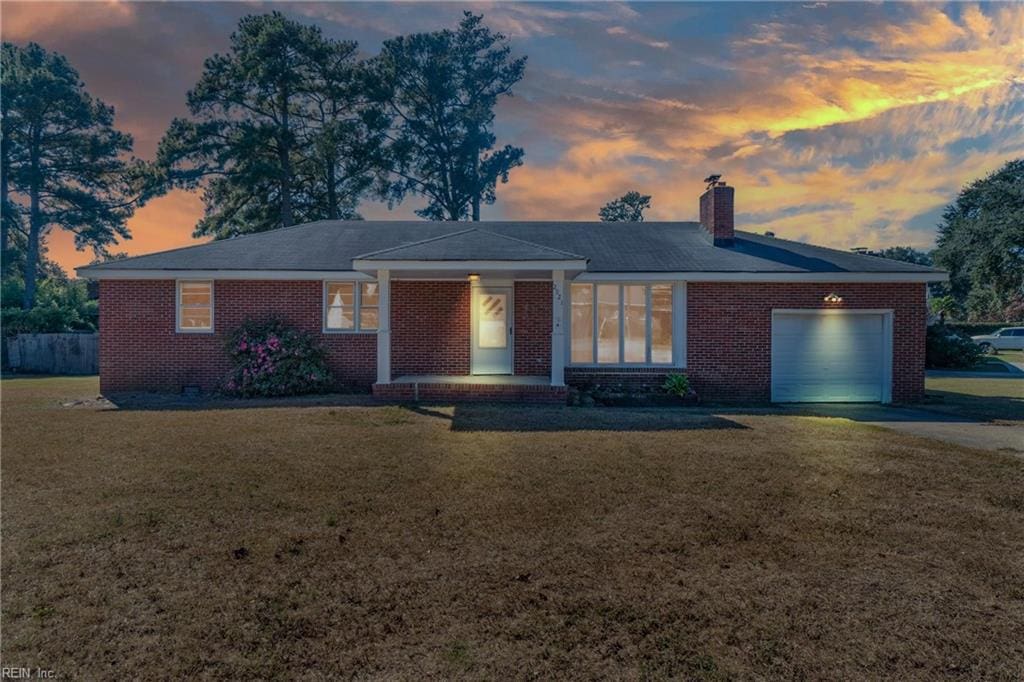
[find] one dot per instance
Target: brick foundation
(638, 379)
(460, 392)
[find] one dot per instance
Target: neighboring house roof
(649, 247)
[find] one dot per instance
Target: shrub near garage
(272, 359)
(950, 348)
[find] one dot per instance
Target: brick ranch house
(520, 310)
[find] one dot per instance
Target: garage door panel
(828, 357)
(829, 393)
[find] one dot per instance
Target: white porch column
(558, 328)
(383, 327)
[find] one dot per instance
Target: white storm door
(492, 330)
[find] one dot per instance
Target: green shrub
(677, 384)
(272, 359)
(950, 348)
(62, 305)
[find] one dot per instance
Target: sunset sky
(839, 123)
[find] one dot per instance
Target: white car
(1007, 338)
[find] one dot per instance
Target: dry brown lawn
(998, 399)
(492, 542)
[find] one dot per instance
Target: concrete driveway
(922, 422)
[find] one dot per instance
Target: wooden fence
(54, 353)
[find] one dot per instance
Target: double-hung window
(195, 306)
(621, 324)
(351, 306)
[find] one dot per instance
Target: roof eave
(94, 272)
(755, 276)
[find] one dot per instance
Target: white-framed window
(195, 306)
(625, 324)
(351, 306)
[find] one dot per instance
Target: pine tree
(440, 89)
(64, 163)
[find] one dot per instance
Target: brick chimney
(716, 211)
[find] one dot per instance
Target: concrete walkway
(972, 434)
(939, 426)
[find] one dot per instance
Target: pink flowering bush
(272, 359)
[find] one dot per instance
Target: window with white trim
(620, 324)
(195, 306)
(351, 306)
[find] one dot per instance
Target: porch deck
(447, 388)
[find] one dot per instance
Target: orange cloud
(164, 223)
(932, 29)
(24, 21)
(802, 129)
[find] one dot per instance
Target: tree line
(290, 126)
(980, 242)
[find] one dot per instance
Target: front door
(492, 330)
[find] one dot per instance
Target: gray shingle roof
(471, 244)
(610, 247)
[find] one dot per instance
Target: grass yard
(493, 542)
(996, 399)
(993, 364)
(1011, 355)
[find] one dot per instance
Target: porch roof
(472, 244)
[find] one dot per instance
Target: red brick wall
(640, 379)
(430, 331)
(728, 345)
(729, 333)
(140, 350)
(532, 328)
(717, 213)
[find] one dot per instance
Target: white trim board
(822, 277)
(178, 329)
(297, 275)
(679, 331)
(95, 272)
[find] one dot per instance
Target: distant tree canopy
(440, 90)
(907, 254)
(981, 243)
(64, 164)
(629, 208)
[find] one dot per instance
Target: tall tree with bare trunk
(64, 163)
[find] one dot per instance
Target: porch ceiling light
(833, 298)
(473, 277)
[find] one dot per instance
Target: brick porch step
(469, 389)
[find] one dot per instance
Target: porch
(471, 316)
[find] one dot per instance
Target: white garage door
(831, 356)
